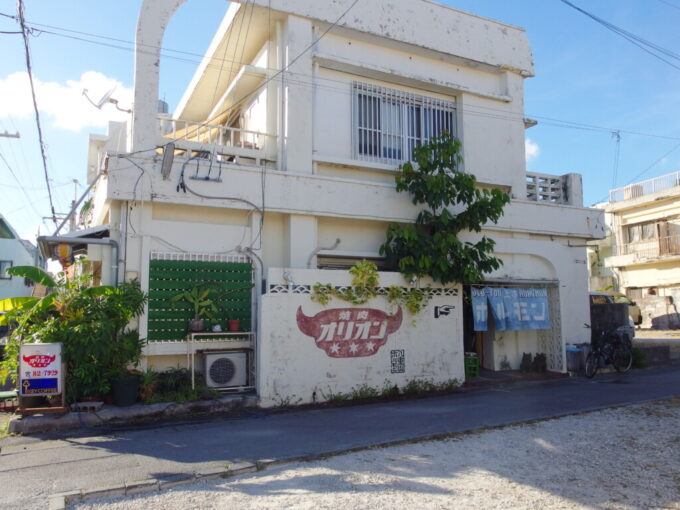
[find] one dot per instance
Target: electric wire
(29, 70)
(545, 121)
(647, 169)
(669, 4)
(29, 200)
(638, 41)
(617, 154)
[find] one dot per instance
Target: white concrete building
(15, 251)
(285, 148)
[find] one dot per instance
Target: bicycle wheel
(592, 362)
(622, 359)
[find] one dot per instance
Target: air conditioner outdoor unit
(226, 369)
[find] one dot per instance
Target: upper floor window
(4, 266)
(389, 124)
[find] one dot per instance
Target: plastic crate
(471, 367)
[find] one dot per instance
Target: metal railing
(652, 248)
(643, 188)
(242, 142)
(545, 188)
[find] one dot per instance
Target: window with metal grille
(389, 124)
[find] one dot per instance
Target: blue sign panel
(480, 310)
(513, 309)
(32, 386)
(534, 309)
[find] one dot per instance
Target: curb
(114, 416)
(60, 501)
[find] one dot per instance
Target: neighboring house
(646, 246)
(601, 277)
(278, 165)
(15, 251)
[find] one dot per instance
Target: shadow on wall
(659, 312)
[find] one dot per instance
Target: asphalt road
(31, 469)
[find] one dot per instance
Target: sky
(596, 96)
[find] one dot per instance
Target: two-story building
(645, 258)
(277, 167)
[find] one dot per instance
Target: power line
(287, 66)
(670, 4)
(24, 31)
(29, 200)
(638, 41)
(617, 155)
(647, 169)
(546, 121)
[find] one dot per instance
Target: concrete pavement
(31, 469)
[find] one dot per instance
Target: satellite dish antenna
(105, 98)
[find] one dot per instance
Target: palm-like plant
(202, 298)
(90, 322)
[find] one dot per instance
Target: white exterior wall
(316, 192)
(293, 369)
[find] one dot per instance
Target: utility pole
(72, 218)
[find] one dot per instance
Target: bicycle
(610, 347)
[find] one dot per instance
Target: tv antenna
(106, 98)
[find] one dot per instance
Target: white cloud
(531, 149)
(64, 104)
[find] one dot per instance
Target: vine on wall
(364, 287)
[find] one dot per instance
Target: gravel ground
(625, 458)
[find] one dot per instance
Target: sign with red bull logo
(350, 332)
(40, 371)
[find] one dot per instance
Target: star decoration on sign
(370, 346)
(335, 348)
(353, 348)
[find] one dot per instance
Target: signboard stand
(41, 373)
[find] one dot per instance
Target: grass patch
(4, 424)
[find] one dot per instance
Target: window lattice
(389, 124)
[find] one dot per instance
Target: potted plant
(234, 325)
(203, 300)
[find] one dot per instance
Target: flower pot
(125, 390)
(196, 325)
(234, 325)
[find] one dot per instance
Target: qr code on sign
(398, 358)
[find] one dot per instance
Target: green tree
(453, 204)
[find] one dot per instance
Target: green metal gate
(167, 278)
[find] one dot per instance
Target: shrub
(90, 322)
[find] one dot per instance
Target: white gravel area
(624, 458)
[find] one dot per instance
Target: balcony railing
(643, 188)
(233, 144)
(652, 248)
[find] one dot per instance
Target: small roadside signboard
(40, 370)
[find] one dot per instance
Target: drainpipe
(44, 241)
(314, 253)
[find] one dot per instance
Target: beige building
(645, 246)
